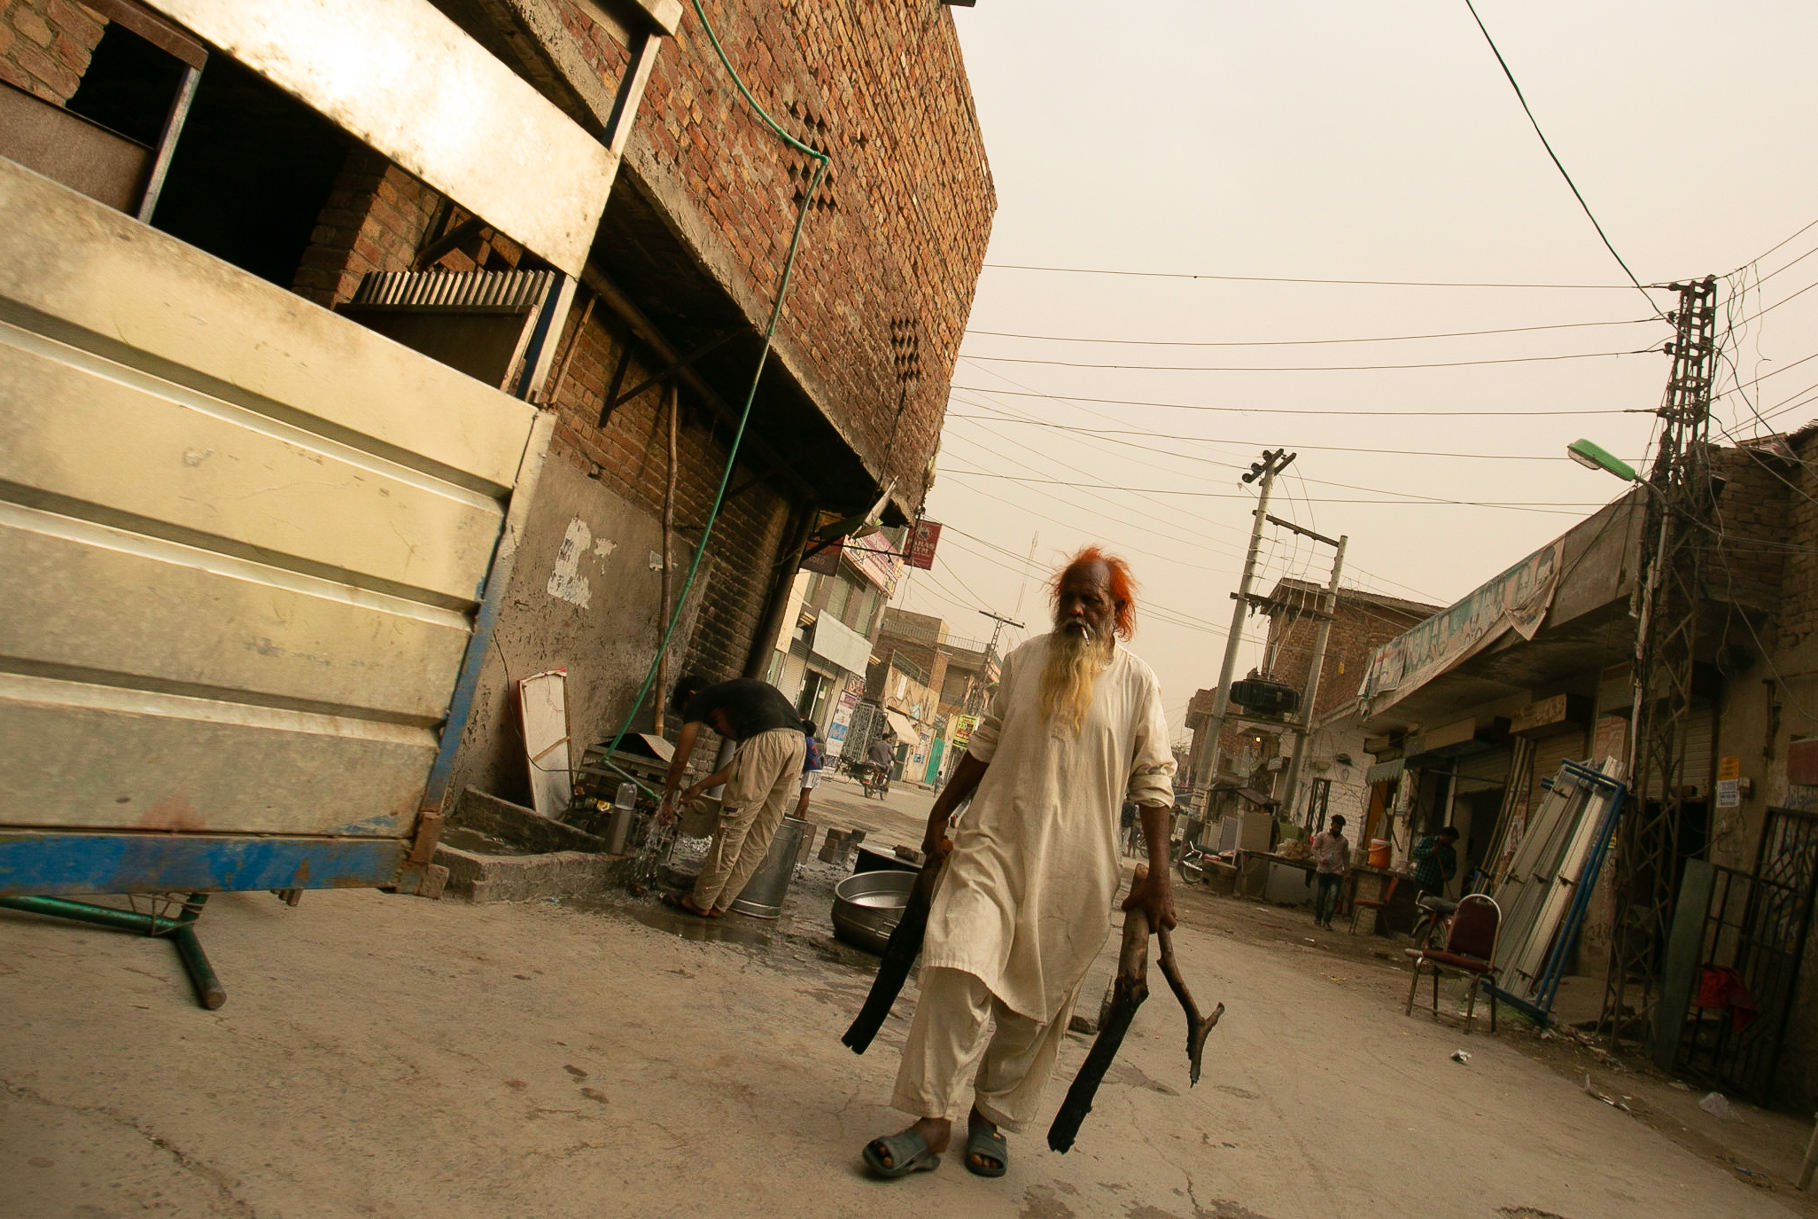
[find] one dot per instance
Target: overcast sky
(1355, 142)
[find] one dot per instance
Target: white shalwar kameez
(1024, 903)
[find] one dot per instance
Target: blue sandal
(982, 1142)
(908, 1152)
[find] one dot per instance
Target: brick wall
(630, 456)
(376, 219)
(45, 46)
(1362, 623)
(1798, 525)
(892, 251)
(1746, 570)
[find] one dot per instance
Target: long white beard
(1069, 677)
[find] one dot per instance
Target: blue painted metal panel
(33, 862)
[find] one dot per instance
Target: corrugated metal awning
(1385, 770)
(904, 727)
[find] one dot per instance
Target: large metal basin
(868, 905)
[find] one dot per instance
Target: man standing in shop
(762, 781)
(1435, 862)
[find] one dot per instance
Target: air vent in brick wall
(905, 350)
(812, 129)
(507, 291)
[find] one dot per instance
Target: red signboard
(922, 540)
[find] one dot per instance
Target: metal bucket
(764, 892)
(868, 905)
(699, 818)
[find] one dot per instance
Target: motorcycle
(875, 779)
(1434, 923)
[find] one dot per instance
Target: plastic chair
(1470, 952)
(1360, 904)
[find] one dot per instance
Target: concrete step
(516, 878)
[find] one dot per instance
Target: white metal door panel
(151, 451)
(241, 539)
(83, 273)
(90, 756)
(276, 633)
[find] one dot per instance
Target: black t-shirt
(750, 707)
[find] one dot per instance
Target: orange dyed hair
(1123, 587)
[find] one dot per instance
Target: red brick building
(1361, 623)
(678, 286)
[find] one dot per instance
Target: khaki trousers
(948, 1032)
(766, 781)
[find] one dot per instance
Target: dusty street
(386, 1055)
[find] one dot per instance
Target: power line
(1789, 266)
(1106, 486)
(1328, 448)
(1557, 163)
(1391, 338)
(1277, 410)
(1228, 495)
(1409, 500)
(1023, 561)
(1581, 355)
(1112, 418)
(1742, 385)
(1285, 279)
(1771, 249)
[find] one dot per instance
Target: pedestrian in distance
(761, 780)
(812, 762)
(1435, 862)
(1023, 903)
(1331, 856)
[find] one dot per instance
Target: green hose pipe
(822, 160)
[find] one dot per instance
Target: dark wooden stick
(1127, 994)
(1197, 1025)
(899, 957)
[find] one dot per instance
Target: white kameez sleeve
(983, 744)
(1152, 762)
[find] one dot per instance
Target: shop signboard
(1516, 600)
(922, 542)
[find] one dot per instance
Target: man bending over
(762, 780)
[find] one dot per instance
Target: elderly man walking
(1024, 901)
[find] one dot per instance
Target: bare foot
(687, 905)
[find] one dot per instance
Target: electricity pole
(1273, 462)
(1328, 610)
(990, 652)
(1678, 512)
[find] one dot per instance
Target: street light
(1594, 457)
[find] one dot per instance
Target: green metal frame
(181, 932)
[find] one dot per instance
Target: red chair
(1373, 904)
(1470, 952)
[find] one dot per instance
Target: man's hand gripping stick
(1128, 991)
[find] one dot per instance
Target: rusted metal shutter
(1700, 729)
(1549, 753)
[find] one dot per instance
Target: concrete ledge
(518, 825)
(516, 878)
